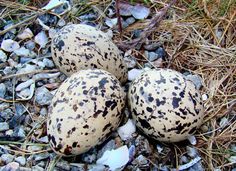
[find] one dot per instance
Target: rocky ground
(195, 38)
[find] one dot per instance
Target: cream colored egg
(86, 108)
(165, 105)
(80, 46)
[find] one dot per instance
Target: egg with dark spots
(165, 105)
(77, 46)
(87, 113)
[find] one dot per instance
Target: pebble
(24, 60)
(134, 73)
(26, 34)
(8, 70)
(197, 167)
(41, 39)
(16, 120)
(107, 147)
(23, 52)
(152, 46)
(137, 33)
(3, 56)
(26, 68)
(24, 85)
(37, 168)
(89, 16)
(205, 97)
(43, 139)
(4, 126)
(3, 90)
(13, 166)
(196, 79)
(141, 161)
(7, 114)
(184, 159)
(48, 63)
(140, 12)
(192, 139)
(30, 45)
(41, 64)
(43, 111)
(130, 20)
(152, 56)
(9, 132)
(19, 132)
(7, 158)
(41, 156)
(9, 45)
(192, 152)
(25, 93)
(89, 158)
(61, 22)
(34, 148)
(63, 165)
(111, 22)
(159, 148)
(161, 53)
(125, 132)
(21, 160)
(43, 96)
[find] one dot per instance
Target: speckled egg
(80, 46)
(86, 108)
(165, 105)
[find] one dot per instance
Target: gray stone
(43, 111)
(134, 73)
(21, 160)
(8, 70)
(41, 156)
(109, 146)
(7, 114)
(192, 152)
(161, 53)
(3, 56)
(184, 159)
(89, 158)
(196, 79)
(48, 63)
(197, 167)
(37, 168)
(43, 96)
(130, 20)
(130, 61)
(4, 126)
(152, 56)
(63, 165)
(20, 109)
(43, 139)
(3, 90)
(7, 158)
(19, 132)
(13, 166)
(30, 45)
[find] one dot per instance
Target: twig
(154, 23)
(118, 17)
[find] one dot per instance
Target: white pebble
(52, 32)
(125, 132)
(25, 93)
(48, 63)
(223, 122)
(27, 68)
(111, 22)
(192, 139)
(134, 73)
(24, 85)
(22, 52)
(41, 64)
(3, 56)
(21, 160)
(61, 22)
(41, 39)
(204, 97)
(27, 33)
(9, 45)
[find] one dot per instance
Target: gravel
(7, 158)
(3, 90)
(43, 96)
(21, 160)
(4, 126)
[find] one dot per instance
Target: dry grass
(203, 41)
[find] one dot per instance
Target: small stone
(20, 109)
(152, 56)
(27, 68)
(130, 20)
(61, 22)
(21, 160)
(43, 96)
(3, 56)
(148, 65)
(184, 159)
(107, 147)
(141, 161)
(88, 16)
(25, 93)
(41, 64)
(41, 39)
(137, 33)
(27, 33)
(196, 79)
(63, 165)
(192, 152)
(41, 156)
(48, 63)
(161, 53)
(197, 167)
(34, 148)
(23, 52)
(6, 114)
(4, 126)
(205, 97)
(152, 46)
(140, 12)
(24, 60)
(159, 148)
(124, 24)
(134, 73)
(43, 111)
(37, 168)
(125, 132)
(89, 158)
(7, 158)
(19, 132)
(111, 22)
(13, 166)
(192, 139)
(204, 128)
(9, 45)
(130, 61)
(30, 45)
(15, 121)
(43, 139)
(3, 90)
(8, 70)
